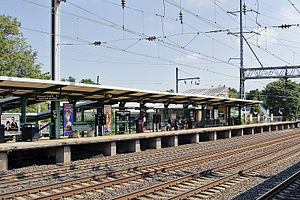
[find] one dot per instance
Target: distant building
(217, 92)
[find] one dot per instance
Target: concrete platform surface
(114, 138)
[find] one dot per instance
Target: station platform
(61, 149)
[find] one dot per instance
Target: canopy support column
(228, 115)
(23, 114)
(203, 118)
(55, 120)
(99, 128)
(240, 116)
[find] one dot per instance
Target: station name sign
(123, 113)
(47, 97)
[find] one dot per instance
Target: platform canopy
(12, 89)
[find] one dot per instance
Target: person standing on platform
(169, 125)
(183, 123)
(175, 124)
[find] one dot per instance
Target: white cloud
(190, 57)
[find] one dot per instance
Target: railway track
(11, 180)
(287, 189)
(82, 185)
(206, 183)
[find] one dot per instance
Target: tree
(17, 58)
(170, 90)
(87, 81)
(254, 95)
(283, 98)
(233, 93)
(70, 79)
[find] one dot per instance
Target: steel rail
(157, 187)
(137, 170)
(28, 176)
(280, 187)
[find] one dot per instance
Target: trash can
(2, 139)
(139, 126)
(30, 132)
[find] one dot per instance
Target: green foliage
(233, 93)
(30, 109)
(17, 58)
(170, 90)
(254, 95)
(88, 81)
(70, 79)
(283, 98)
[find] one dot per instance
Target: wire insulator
(244, 8)
(181, 17)
(151, 38)
(123, 3)
(97, 43)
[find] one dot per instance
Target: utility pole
(242, 80)
(55, 39)
(184, 79)
(55, 65)
(176, 79)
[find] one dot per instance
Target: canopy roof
(14, 88)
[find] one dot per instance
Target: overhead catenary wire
(178, 46)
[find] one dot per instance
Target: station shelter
(112, 108)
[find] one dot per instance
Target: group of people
(178, 124)
(11, 126)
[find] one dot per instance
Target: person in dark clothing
(183, 122)
(175, 124)
(169, 125)
(7, 126)
(13, 125)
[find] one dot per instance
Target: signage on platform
(47, 97)
(122, 113)
(68, 119)
(107, 113)
(11, 124)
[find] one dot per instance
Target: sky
(199, 45)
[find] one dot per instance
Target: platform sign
(68, 119)
(107, 113)
(11, 124)
(47, 97)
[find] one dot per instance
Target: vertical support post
(55, 40)
(186, 113)
(98, 129)
(203, 118)
(176, 79)
(63, 154)
(55, 119)
(240, 116)
(158, 142)
(242, 79)
(23, 114)
(3, 161)
(195, 138)
(134, 146)
(212, 136)
(175, 140)
(82, 114)
(74, 111)
(110, 149)
(1, 110)
(23, 110)
(228, 115)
